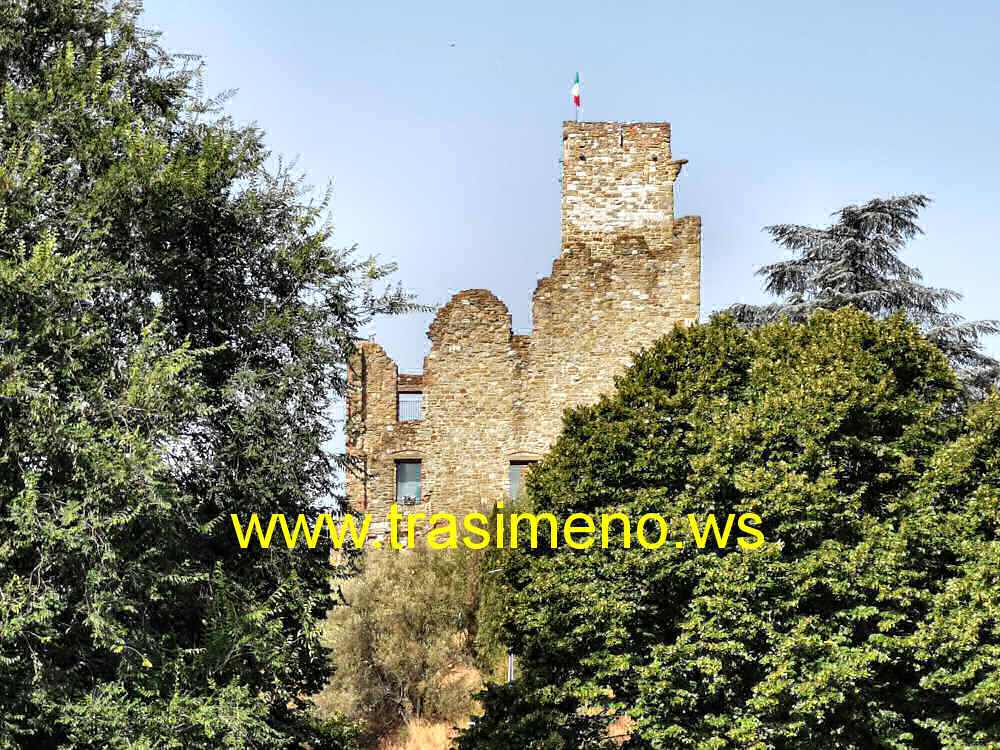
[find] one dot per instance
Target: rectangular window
(408, 482)
(518, 470)
(411, 406)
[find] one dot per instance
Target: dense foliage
(404, 647)
(855, 262)
(174, 324)
(868, 618)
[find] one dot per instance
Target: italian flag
(576, 91)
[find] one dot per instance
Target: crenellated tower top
(617, 186)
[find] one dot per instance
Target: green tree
(855, 261)
(867, 618)
(404, 646)
(174, 328)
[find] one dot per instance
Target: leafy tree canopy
(867, 618)
(174, 324)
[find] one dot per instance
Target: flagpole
(576, 97)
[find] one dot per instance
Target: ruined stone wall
(627, 273)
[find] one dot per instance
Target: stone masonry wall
(628, 272)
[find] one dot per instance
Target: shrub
(404, 645)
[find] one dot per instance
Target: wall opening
(408, 482)
(518, 471)
(410, 406)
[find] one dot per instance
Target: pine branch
(855, 262)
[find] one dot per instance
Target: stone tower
(492, 401)
(618, 186)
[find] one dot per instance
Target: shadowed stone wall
(628, 271)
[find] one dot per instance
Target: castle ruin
(489, 402)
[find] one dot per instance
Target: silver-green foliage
(855, 262)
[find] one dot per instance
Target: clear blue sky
(445, 158)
